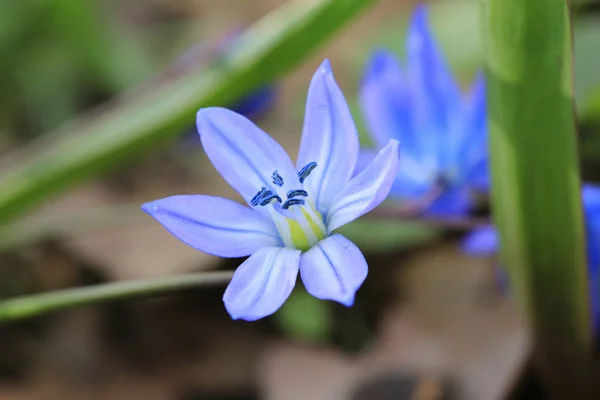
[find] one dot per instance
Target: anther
(306, 170)
(297, 192)
(269, 198)
(292, 202)
(277, 179)
(258, 197)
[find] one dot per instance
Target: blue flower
(293, 211)
(443, 135)
(257, 102)
(484, 241)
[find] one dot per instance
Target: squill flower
(484, 241)
(442, 133)
(292, 214)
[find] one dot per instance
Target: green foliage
(536, 194)
(54, 56)
(305, 318)
(39, 304)
(91, 145)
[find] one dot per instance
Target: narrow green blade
(39, 304)
(536, 189)
(89, 146)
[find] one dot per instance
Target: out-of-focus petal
(256, 103)
(414, 177)
(452, 202)
(479, 177)
(241, 152)
(385, 102)
(591, 198)
(329, 138)
(333, 269)
(593, 253)
(365, 191)
(481, 241)
(472, 151)
(434, 96)
(262, 283)
(591, 204)
(214, 225)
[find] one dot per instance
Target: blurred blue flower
(294, 211)
(257, 102)
(484, 241)
(443, 135)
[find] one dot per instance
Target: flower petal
(435, 96)
(333, 269)
(481, 241)
(591, 198)
(256, 103)
(414, 178)
(241, 152)
(329, 138)
(472, 153)
(214, 225)
(453, 202)
(365, 191)
(479, 177)
(262, 283)
(591, 203)
(385, 101)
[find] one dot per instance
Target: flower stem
(39, 304)
(536, 194)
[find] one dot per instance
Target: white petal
(333, 269)
(366, 190)
(262, 283)
(241, 152)
(214, 225)
(329, 138)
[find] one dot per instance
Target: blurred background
(429, 323)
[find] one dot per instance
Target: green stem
(38, 304)
(536, 192)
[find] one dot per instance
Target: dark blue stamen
(267, 200)
(292, 202)
(306, 170)
(277, 179)
(258, 197)
(297, 192)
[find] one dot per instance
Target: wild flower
(292, 214)
(442, 134)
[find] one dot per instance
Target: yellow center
(301, 238)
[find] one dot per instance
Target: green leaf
(536, 190)
(131, 126)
